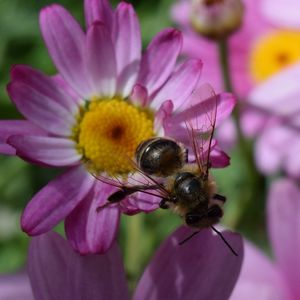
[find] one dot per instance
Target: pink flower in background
(278, 144)
(267, 43)
(264, 45)
(15, 287)
(262, 278)
(90, 118)
(192, 271)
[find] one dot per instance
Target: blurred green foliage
(21, 43)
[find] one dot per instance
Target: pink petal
(271, 150)
(49, 151)
(284, 229)
(56, 200)
(101, 60)
(180, 12)
(283, 101)
(98, 10)
(13, 127)
(201, 108)
(194, 270)
(159, 59)
(139, 95)
(57, 272)
(45, 85)
(89, 230)
(67, 90)
(162, 116)
(259, 278)
(15, 287)
(7, 150)
(219, 159)
(180, 85)
(128, 45)
(40, 109)
(65, 41)
(283, 13)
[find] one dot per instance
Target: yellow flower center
(273, 53)
(108, 133)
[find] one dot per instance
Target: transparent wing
(198, 120)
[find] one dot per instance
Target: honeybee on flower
(105, 100)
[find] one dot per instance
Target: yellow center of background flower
(273, 52)
(109, 132)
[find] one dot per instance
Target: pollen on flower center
(274, 52)
(109, 132)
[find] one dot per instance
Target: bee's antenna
(223, 239)
(188, 238)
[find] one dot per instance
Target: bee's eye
(191, 218)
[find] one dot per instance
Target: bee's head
(202, 219)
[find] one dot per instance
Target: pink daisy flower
(278, 143)
(89, 119)
(265, 279)
(267, 43)
(193, 271)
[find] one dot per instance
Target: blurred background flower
(266, 279)
(57, 272)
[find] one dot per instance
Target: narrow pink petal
(65, 41)
(56, 200)
(271, 150)
(284, 229)
(283, 101)
(98, 10)
(201, 109)
(101, 60)
(13, 127)
(7, 150)
(15, 287)
(139, 202)
(159, 59)
(45, 85)
(67, 90)
(218, 158)
(259, 278)
(180, 85)
(283, 13)
(40, 109)
(57, 272)
(162, 115)
(128, 45)
(194, 270)
(89, 230)
(139, 95)
(49, 151)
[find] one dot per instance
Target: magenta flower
(262, 278)
(15, 287)
(264, 34)
(278, 143)
(90, 118)
(193, 271)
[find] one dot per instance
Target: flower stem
(254, 185)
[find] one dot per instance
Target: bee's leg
(215, 212)
(219, 197)
(186, 155)
(164, 204)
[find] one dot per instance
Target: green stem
(133, 250)
(254, 185)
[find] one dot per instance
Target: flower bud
(216, 19)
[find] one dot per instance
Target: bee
(186, 188)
